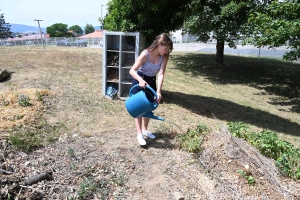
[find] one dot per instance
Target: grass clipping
(20, 108)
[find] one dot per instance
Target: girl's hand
(143, 84)
(158, 97)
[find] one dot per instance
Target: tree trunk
(220, 52)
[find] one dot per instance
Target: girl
(151, 62)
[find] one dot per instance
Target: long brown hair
(162, 39)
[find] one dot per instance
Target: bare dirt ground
(96, 155)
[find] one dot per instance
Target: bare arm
(133, 71)
(160, 76)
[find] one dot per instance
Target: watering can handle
(147, 86)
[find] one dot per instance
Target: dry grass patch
(21, 108)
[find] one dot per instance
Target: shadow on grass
(229, 111)
(275, 77)
(162, 141)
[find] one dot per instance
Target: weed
(25, 141)
(87, 188)
(73, 167)
(90, 186)
(71, 153)
(250, 179)
(192, 139)
(29, 138)
(103, 188)
(24, 100)
(39, 96)
(239, 129)
(120, 179)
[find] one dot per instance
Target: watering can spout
(151, 115)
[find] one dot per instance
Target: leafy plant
(120, 179)
(250, 179)
(289, 164)
(192, 139)
(266, 143)
(39, 96)
(73, 167)
(87, 188)
(71, 153)
(90, 186)
(23, 100)
(239, 129)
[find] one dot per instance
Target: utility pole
(102, 18)
(38, 20)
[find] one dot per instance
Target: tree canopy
(276, 24)
(4, 28)
(270, 22)
(148, 17)
(77, 29)
(220, 19)
(58, 30)
(89, 28)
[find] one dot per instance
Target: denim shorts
(151, 80)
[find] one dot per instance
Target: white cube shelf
(120, 50)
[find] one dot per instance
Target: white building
(177, 37)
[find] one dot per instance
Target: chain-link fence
(53, 41)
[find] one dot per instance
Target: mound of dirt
(105, 168)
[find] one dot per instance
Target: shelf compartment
(110, 93)
(128, 59)
(124, 90)
(112, 74)
(112, 59)
(129, 43)
(113, 42)
(125, 77)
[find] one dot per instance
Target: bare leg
(145, 123)
(138, 125)
(140, 137)
(145, 128)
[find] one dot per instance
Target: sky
(68, 12)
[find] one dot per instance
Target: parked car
(79, 43)
(64, 43)
(8, 44)
(29, 43)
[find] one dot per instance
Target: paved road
(240, 50)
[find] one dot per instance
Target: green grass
(261, 92)
(33, 137)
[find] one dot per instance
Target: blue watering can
(142, 103)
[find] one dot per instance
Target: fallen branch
(38, 177)
(5, 171)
